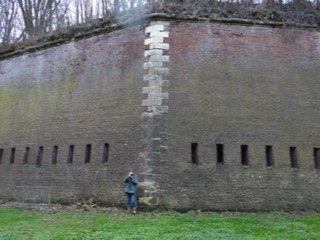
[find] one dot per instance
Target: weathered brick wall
(151, 93)
(83, 92)
(242, 85)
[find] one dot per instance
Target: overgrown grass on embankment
(22, 225)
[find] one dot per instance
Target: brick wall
(242, 85)
(80, 93)
(209, 116)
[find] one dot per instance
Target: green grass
(30, 225)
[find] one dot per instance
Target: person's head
(131, 174)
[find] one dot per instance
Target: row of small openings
(55, 150)
(244, 154)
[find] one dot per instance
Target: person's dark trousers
(131, 202)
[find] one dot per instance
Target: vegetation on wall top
(27, 25)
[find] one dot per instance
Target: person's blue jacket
(131, 183)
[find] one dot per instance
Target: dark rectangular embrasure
(105, 157)
(26, 155)
(244, 155)
(194, 153)
(220, 154)
(87, 153)
(39, 157)
(293, 157)
(70, 154)
(269, 156)
(54, 155)
(12, 155)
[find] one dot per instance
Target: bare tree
(63, 17)
(8, 17)
(38, 15)
(268, 3)
(86, 10)
(33, 18)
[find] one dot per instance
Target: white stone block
(160, 109)
(152, 52)
(164, 34)
(154, 28)
(147, 65)
(152, 77)
(159, 58)
(147, 115)
(152, 89)
(164, 46)
(152, 102)
(164, 71)
(153, 40)
(155, 83)
(159, 23)
(155, 95)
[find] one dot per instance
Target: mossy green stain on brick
(33, 103)
(8, 98)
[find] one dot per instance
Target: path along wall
(211, 116)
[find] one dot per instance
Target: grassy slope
(23, 225)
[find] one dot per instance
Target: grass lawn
(18, 224)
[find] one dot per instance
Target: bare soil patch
(58, 208)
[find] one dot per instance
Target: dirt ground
(58, 208)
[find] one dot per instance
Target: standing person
(130, 189)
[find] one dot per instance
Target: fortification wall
(238, 94)
(210, 115)
(85, 94)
